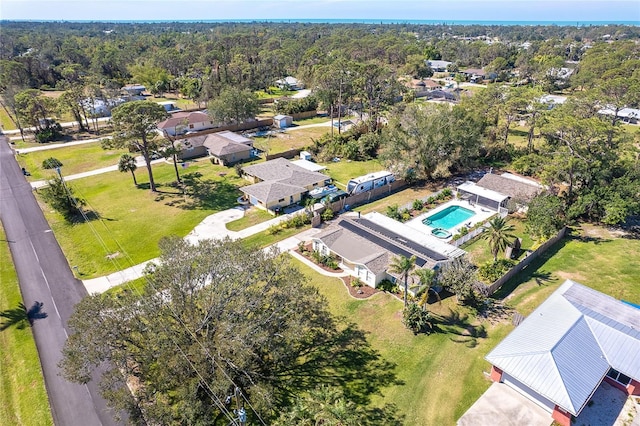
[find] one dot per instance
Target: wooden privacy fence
(366, 197)
(526, 261)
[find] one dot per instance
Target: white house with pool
(365, 247)
(447, 219)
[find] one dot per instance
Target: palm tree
(499, 235)
(128, 164)
(426, 278)
(403, 266)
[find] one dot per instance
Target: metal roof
(565, 347)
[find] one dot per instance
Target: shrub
(405, 215)
(386, 285)
(274, 229)
(463, 231)
(491, 271)
(441, 196)
(394, 212)
(418, 205)
(416, 319)
(355, 282)
(430, 200)
(446, 192)
(327, 214)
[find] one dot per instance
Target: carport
(502, 405)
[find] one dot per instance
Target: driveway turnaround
(47, 285)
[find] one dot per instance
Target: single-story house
(561, 353)
(228, 148)
(495, 191)
(133, 89)
(365, 247)
(191, 147)
(439, 94)
(438, 65)
(282, 121)
(515, 187)
(279, 183)
(627, 115)
(183, 122)
(290, 83)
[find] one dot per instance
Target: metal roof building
(561, 353)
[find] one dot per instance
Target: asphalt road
(45, 278)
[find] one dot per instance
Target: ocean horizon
(346, 21)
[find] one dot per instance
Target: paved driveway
(500, 405)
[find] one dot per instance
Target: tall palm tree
(128, 164)
(426, 278)
(403, 266)
(499, 235)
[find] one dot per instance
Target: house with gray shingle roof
(365, 247)
(495, 191)
(561, 353)
(279, 183)
(223, 147)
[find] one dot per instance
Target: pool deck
(481, 215)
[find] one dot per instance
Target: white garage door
(524, 390)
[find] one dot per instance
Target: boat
(322, 191)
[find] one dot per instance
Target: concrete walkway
(48, 146)
(214, 227)
(139, 162)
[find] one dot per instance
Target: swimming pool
(449, 218)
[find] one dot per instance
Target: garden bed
(361, 292)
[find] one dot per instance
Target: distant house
(366, 246)
(553, 100)
(224, 147)
(438, 65)
(182, 122)
(562, 352)
(133, 89)
(282, 121)
(441, 95)
(475, 75)
(290, 83)
(627, 115)
(279, 183)
(169, 106)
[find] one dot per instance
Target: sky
(444, 10)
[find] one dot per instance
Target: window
(191, 126)
(619, 377)
(281, 200)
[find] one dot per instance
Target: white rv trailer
(370, 181)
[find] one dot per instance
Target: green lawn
(23, 398)
(591, 256)
(342, 171)
(132, 220)
(291, 139)
(318, 119)
(274, 92)
(251, 217)
(480, 253)
(75, 159)
(441, 373)
(400, 198)
(264, 239)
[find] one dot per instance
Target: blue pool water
(449, 218)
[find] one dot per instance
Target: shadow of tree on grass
(207, 194)
(459, 324)
(20, 316)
